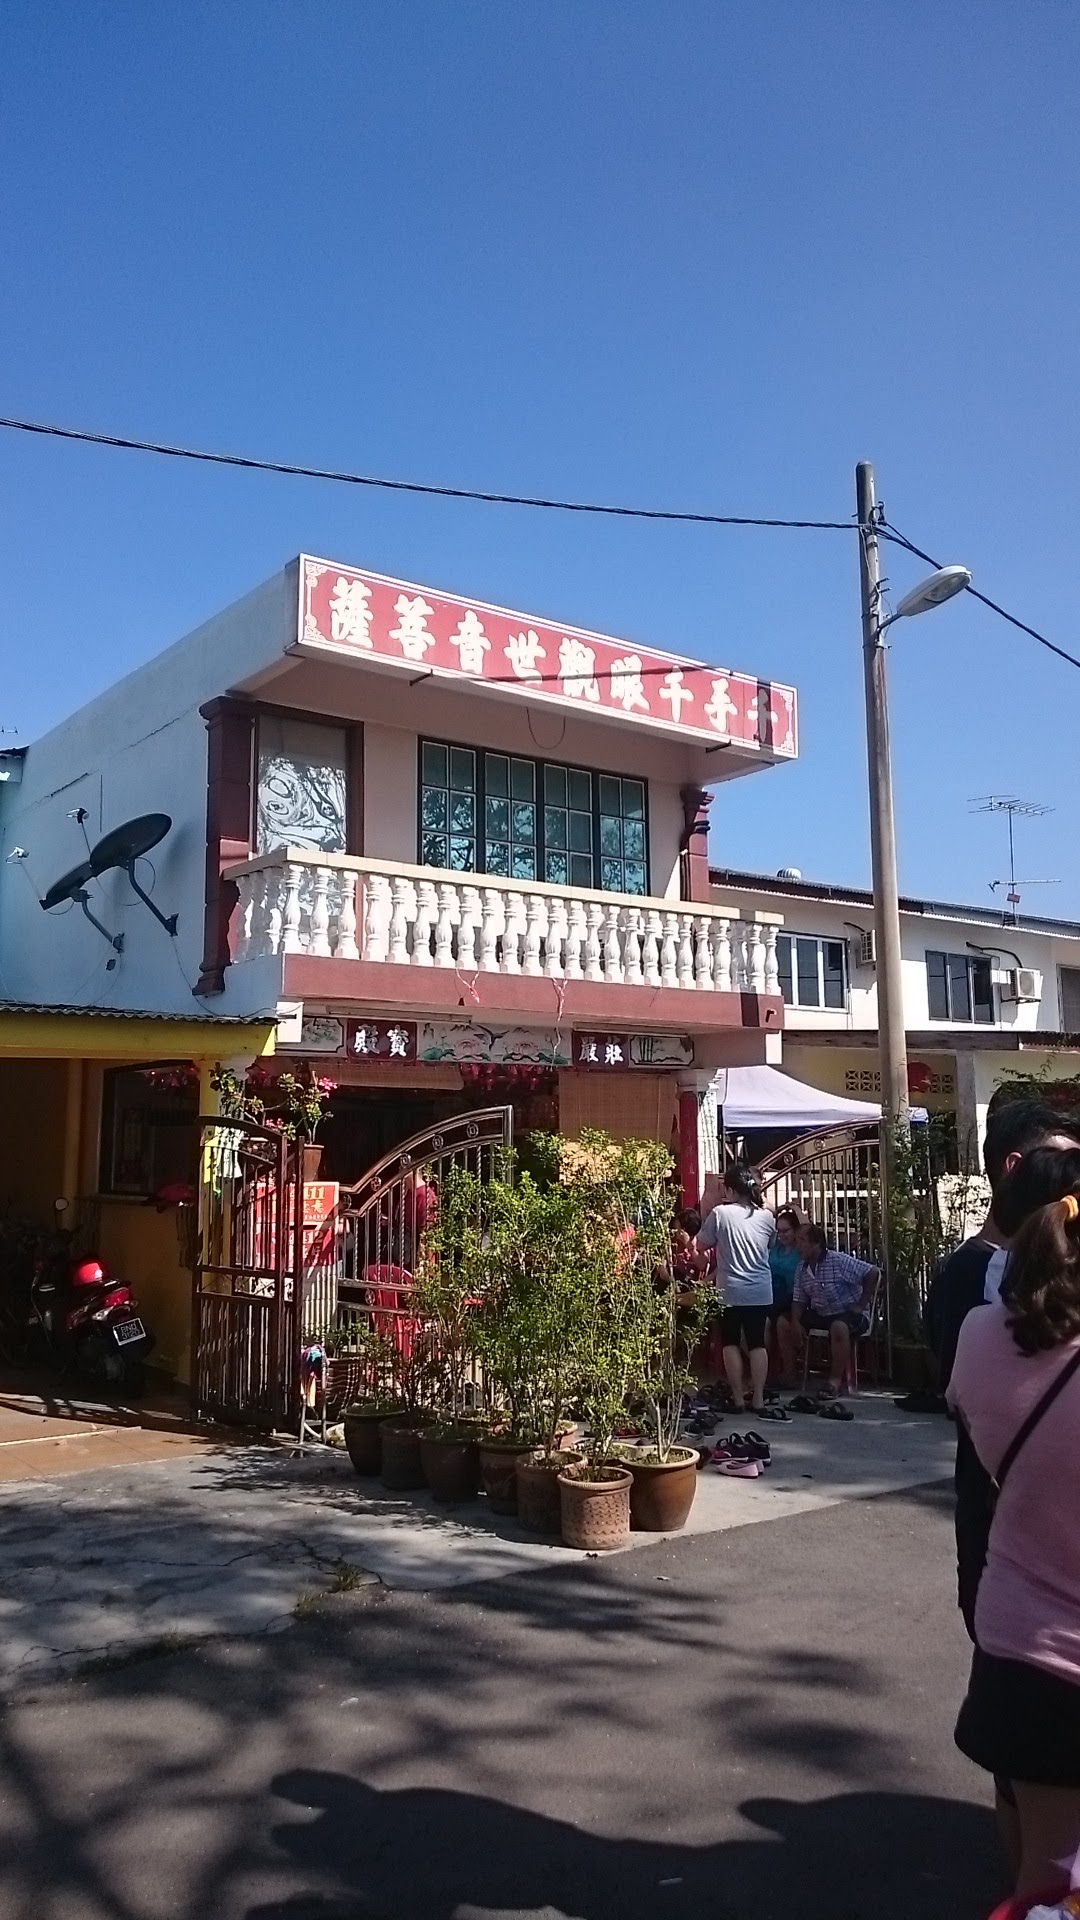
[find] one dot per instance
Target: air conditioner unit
(1024, 983)
(868, 947)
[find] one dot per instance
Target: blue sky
(651, 251)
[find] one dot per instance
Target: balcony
(348, 928)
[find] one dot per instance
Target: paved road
(753, 1724)
(97, 1563)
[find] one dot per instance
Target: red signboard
(371, 617)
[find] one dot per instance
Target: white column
(755, 943)
(427, 910)
(557, 930)
(686, 950)
(703, 953)
(594, 915)
(721, 952)
(632, 973)
(471, 916)
(535, 928)
(575, 940)
(669, 951)
(290, 934)
(272, 911)
(772, 970)
(613, 960)
(243, 941)
(515, 915)
(399, 924)
(345, 946)
(650, 954)
(377, 911)
(444, 926)
(490, 927)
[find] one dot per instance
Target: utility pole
(892, 1034)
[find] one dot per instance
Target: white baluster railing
(334, 906)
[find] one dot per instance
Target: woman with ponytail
(1016, 1387)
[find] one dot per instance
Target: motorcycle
(88, 1322)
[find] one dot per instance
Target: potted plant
(416, 1375)
(621, 1240)
(665, 1474)
(445, 1299)
(359, 1377)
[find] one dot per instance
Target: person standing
(783, 1265)
(1015, 1387)
(741, 1229)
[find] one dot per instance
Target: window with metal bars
(525, 819)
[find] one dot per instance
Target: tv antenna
(1007, 803)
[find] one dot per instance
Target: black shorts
(749, 1323)
(1021, 1722)
(856, 1323)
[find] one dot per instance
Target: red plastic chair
(386, 1287)
(1019, 1909)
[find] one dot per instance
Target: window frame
(540, 765)
(176, 1108)
(952, 965)
(821, 941)
(1063, 969)
(354, 770)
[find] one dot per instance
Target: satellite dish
(68, 887)
(126, 844)
(119, 848)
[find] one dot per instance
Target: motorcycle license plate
(129, 1330)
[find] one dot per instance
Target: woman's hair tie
(1070, 1208)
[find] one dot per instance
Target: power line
(416, 486)
(889, 532)
(251, 463)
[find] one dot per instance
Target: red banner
(371, 617)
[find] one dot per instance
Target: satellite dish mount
(120, 848)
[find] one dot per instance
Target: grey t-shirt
(742, 1237)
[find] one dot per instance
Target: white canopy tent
(749, 1097)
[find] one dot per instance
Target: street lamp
(933, 592)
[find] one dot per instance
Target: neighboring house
(982, 996)
(454, 854)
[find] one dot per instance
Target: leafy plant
(295, 1105)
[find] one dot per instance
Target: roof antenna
(1025, 809)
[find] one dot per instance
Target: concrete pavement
(748, 1724)
(232, 1539)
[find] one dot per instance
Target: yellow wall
(140, 1246)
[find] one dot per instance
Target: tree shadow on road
(434, 1855)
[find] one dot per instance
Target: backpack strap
(1042, 1406)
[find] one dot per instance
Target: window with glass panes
(960, 987)
(813, 972)
(524, 819)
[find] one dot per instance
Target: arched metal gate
(266, 1282)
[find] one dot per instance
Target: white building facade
(983, 997)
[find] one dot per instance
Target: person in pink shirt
(1016, 1386)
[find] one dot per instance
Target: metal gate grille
(244, 1342)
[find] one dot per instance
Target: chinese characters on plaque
(613, 1052)
(371, 616)
(380, 1039)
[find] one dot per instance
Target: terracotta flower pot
(538, 1504)
(498, 1471)
(663, 1490)
(595, 1513)
(363, 1435)
(402, 1470)
(450, 1458)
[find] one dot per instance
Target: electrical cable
(249, 461)
(889, 532)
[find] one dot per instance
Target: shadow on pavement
(425, 1855)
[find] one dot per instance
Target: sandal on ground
(768, 1412)
(740, 1469)
(829, 1392)
(758, 1448)
(802, 1403)
(835, 1410)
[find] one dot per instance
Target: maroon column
(694, 846)
(689, 1167)
(229, 729)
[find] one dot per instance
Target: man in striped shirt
(833, 1295)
